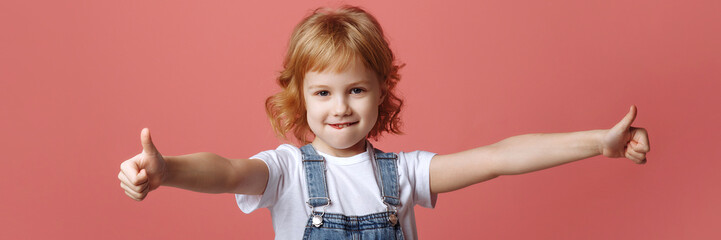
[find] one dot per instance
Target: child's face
(342, 108)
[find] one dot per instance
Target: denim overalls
(322, 225)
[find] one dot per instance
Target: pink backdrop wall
(81, 78)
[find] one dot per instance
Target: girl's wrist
(599, 135)
(165, 172)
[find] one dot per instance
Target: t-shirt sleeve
(276, 161)
(418, 165)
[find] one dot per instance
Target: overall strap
(314, 166)
(388, 166)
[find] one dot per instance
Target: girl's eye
(357, 91)
(322, 93)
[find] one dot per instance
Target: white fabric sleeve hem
(424, 167)
(249, 203)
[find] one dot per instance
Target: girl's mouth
(342, 125)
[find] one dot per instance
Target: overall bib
(322, 225)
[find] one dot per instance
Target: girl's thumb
(147, 142)
(625, 123)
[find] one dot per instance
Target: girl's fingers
(133, 194)
(145, 188)
(136, 188)
(128, 189)
(142, 177)
(123, 178)
(138, 192)
(633, 158)
(640, 137)
(130, 169)
(636, 156)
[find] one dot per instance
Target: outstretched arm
(533, 152)
(210, 173)
(200, 172)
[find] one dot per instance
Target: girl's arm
(533, 152)
(201, 172)
(211, 173)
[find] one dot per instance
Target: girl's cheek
(313, 110)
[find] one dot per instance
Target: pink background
(81, 78)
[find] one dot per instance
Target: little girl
(338, 91)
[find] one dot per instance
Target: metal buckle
(393, 214)
(317, 220)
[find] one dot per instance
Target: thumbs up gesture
(143, 172)
(625, 141)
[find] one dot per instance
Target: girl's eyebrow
(358, 82)
(317, 86)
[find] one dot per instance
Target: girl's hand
(144, 172)
(625, 141)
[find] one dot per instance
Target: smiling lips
(342, 125)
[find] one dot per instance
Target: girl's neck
(356, 149)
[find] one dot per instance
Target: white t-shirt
(286, 193)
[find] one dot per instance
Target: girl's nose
(341, 107)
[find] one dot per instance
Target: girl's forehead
(353, 73)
